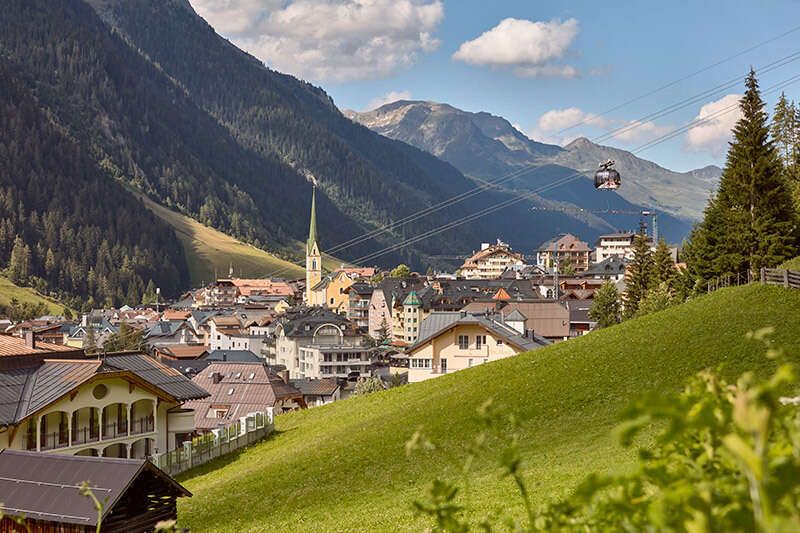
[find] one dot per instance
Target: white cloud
(335, 40)
(527, 47)
(719, 118)
(559, 119)
(550, 125)
(388, 98)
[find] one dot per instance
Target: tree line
(751, 222)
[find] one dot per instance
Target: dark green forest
(66, 228)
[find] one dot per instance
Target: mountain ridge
(502, 149)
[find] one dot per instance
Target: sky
(556, 70)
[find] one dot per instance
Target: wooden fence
(200, 450)
(779, 276)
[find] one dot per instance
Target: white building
(614, 244)
(491, 261)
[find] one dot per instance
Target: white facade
(620, 245)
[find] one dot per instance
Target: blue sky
(564, 61)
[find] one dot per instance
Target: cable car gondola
(606, 177)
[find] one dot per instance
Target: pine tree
(750, 223)
(149, 295)
(663, 266)
(20, 262)
(639, 275)
(383, 331)
(606, 305)
(657, 298)
(783, 129)
(90, 341)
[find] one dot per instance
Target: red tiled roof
(11, 346)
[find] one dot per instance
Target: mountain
(371, 179)
(684, 194)
(66, 228)
(478, 144)
(162, 105)
(486, 146)
(566, 398)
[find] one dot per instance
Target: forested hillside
(372, 179)
(64, 226)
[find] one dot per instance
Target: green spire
(412, 299)
(312, 228)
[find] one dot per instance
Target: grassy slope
(25, 294)
(209, 251)
(343, 467)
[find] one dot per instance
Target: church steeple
(312, 227)
(313, 257)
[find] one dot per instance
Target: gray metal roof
(444, 321)
(46, 486)
(516, 316)
(12, 384)
(167, 379)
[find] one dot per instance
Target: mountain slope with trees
(65, 228)
(373, 180)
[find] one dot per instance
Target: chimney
(30, 341)
(224, 356)
(216, 377)
(484, 246)
(284, 375)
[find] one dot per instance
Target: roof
(565, 241)
(315, 387)
(242, 388)
(489, 251)
(11, 346)
(182, 351)
(360, 288)
(165, 328)
(516, 316)
(238, 356)
(162, 376)
(302, 322)
(412, 299)
(175, 314)
(46, 486)
(265, 286)
(360, 272)
(611, 266)
(491, 323)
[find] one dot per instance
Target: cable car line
(517, 173)
(527, 194)
(688, 76)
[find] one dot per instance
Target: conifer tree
(20, 262)
(663, 266)
(640, 274)
(784, 128)
(606, 305)
(750, 223)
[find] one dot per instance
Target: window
(331, 301)
(480, 341)
(463, 342)
(499, 342)
(420, 363)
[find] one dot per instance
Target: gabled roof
(240, 388)
(156, 373)
(45, 487)
(315, 387)
(182, 351)
(490, 323)
(516, 316)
